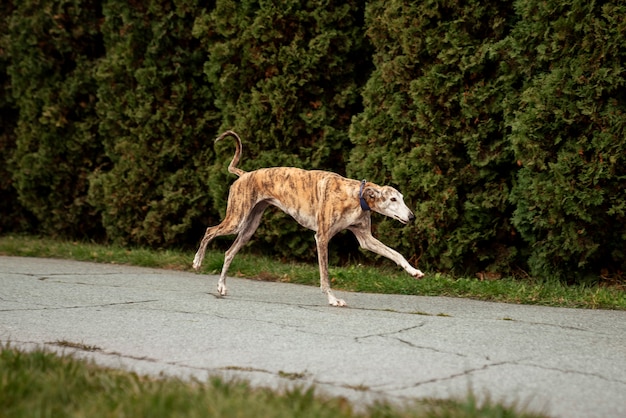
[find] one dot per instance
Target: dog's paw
(221, 289)
(417, 274)
(333, 301)
(341, 302)
(197, 262)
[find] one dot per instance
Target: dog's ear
(371, 194)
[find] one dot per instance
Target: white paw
(416, 273)
(333, 301)
(221, 289)
(197, 262)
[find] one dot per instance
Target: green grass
(42, 384)
(358, 278)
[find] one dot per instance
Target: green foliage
(291, 87)
(433, 125)
(53, 48)
(501, 122)
(567, 131)
(157, 123)
(12, 215)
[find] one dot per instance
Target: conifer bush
(11, 212)
(567, 133)
(503, 123)
(53, 49)
(433, 125)
(157, 121)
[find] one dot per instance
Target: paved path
(564, 362)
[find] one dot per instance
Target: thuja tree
(433, 125)
(10, 209)
(157, 124)
(567, 130)
(53, 46)
(286, 76)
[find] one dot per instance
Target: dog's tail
(232, 167)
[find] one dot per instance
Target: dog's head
(387, 201)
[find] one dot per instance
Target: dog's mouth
(402, 221)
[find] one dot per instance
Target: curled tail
(232, 167)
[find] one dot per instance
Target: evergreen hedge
(567, 124)
(53, 47)
(157, 122)
(501, 122)
(12, 214)
(433, 124)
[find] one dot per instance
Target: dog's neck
(364, 204)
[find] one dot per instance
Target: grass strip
(388, 279)
(40, 383)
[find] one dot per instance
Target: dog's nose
(411, 217)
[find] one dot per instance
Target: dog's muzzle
(405, 221)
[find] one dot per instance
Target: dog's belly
(305, 218)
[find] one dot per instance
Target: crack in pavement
(389, 333)
(304, 376)
(75, 348)
(560, 326)
(463, 373)
(101, 305)
(392, 335)
(53, 275)
(434, 350)
(520, 363)
(568, 371)
(47, 276)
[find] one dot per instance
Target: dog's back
(295, 191)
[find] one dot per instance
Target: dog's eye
(393, 199)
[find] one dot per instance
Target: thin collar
(364, 204)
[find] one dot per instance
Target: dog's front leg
(322, 257)
(367, 241)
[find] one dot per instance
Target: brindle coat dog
(324, 202)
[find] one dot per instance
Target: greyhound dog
(324, 202)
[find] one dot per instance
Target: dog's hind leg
(237, 212)
(250, 225)
(212, 232)
(234, 221)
